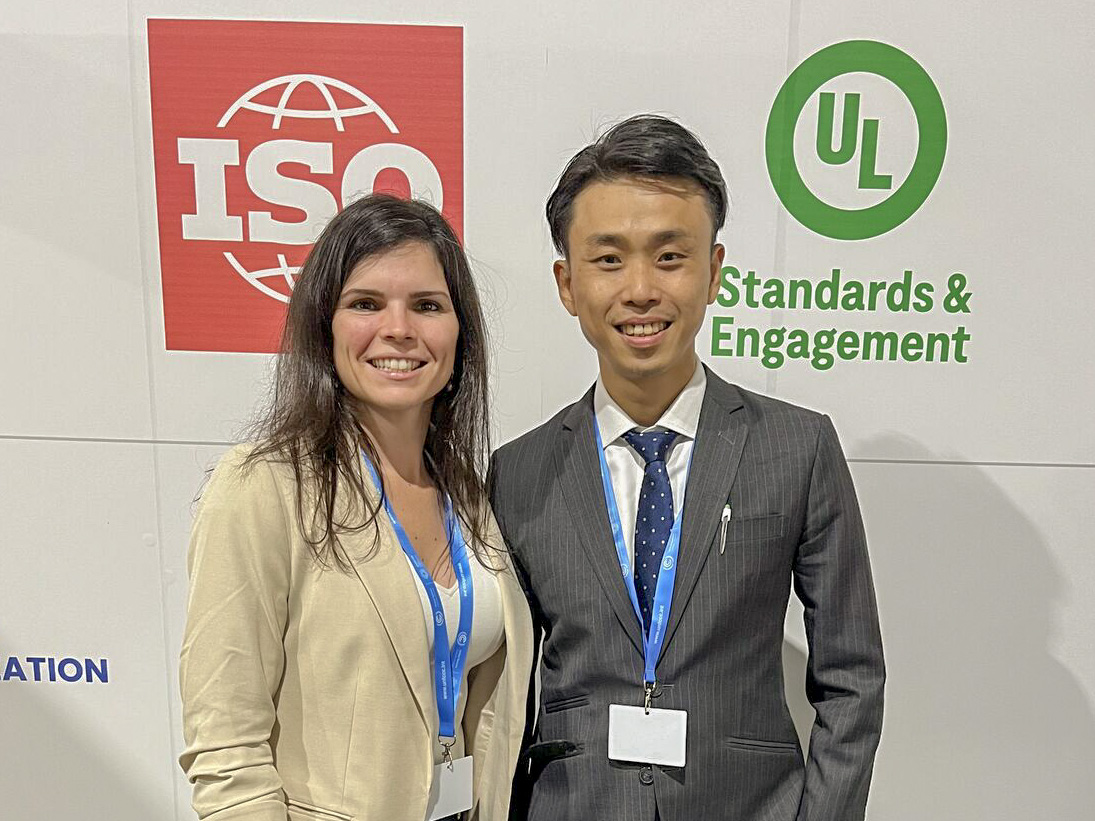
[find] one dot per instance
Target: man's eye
(608, 259)
(671, 256)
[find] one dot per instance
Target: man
(661, 676)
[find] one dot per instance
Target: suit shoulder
(767, 416)
(768, 407)
(538, 441)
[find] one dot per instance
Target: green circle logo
(864, 56)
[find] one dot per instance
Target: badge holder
(647, 735)
(451, 790)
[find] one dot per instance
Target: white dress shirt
(626, 466)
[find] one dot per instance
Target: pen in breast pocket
(726, 514)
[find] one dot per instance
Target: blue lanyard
(448, 663)
(663, 592)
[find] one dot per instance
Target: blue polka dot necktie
(654, 518)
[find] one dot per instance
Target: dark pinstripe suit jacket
(795, 519)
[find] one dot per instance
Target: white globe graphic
(282, 271)
(323, 85)
(289, 84)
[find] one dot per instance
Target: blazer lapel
(716, 454)
(390, 584)
(580, 476)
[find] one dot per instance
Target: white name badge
(450, 792)
(657, 737)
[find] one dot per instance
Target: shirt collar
(682, 416)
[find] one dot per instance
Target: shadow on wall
(982, 722)
(55, 766)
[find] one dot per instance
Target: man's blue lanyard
(663, 592)
(448, 663)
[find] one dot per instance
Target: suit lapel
(391, 586)
(580, 476)
(716, 454)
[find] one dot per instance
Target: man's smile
(643, 334)
(642, 329)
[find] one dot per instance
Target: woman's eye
(363, 305)
(428, 305)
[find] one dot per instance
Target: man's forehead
(668, 207)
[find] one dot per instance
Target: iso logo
(251, 162)
(856, 139)
(439, 618)
(667, 563)
(462, 639)
(210, 157)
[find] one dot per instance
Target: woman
(312, 687)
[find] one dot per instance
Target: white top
(626, 466)
(487, 625)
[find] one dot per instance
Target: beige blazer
(307, 692)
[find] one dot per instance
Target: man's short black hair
(645, 145)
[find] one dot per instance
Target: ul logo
(883, 201)
(845, 139)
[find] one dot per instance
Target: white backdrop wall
(976, 478)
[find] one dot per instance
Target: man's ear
(561, 269)
(718, 253)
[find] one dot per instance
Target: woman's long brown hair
(309, 424)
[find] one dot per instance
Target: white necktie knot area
(653, 445)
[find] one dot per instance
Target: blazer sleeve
(845, 671)
(232, 655)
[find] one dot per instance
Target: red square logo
(262, 131)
